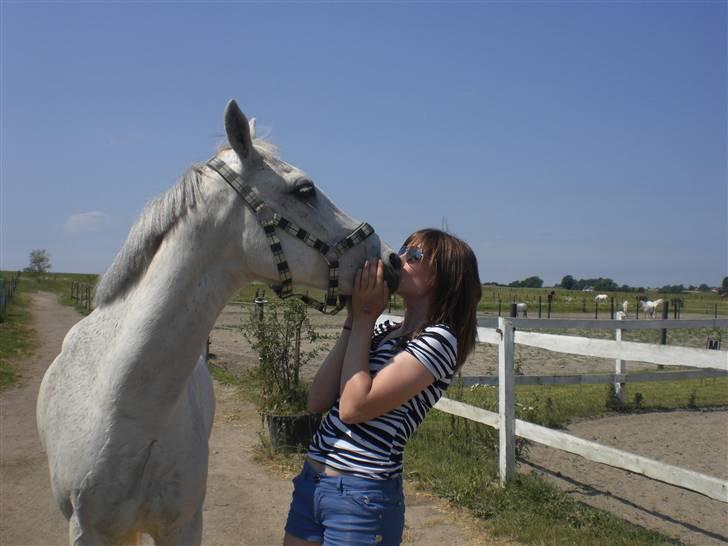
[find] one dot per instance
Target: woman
(377, 384)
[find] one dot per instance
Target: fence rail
(712, 363)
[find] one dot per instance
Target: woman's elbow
(349, 415)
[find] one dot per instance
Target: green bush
(277, 338)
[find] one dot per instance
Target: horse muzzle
(392, 271)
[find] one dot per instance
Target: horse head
(290, 222)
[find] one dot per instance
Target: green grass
(557, 405)
(456, 460)
(565, 301)
(16, 337)
(59, 284)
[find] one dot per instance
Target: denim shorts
(346, 510)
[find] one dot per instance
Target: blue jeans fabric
(346, 510)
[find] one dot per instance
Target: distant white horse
(522, 308)
(649, 307)
(600, 298)
(125, 410)
(625, 306)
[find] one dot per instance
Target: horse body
(126, 409)
(522, 307)
(649, 307)
(600, 298)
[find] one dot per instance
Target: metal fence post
(506, 403)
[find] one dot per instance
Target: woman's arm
(325, 387)
(363, 398)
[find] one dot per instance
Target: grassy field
(16, 337)
(565, 302)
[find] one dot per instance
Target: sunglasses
(412, 254)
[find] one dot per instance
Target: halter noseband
(270, 220)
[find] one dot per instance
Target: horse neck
(166, 318)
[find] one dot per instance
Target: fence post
(500, 306)
(620, 368)
(611, 309)
(539, 307)
(514, 309)
(596, 309)
(665, 316)
(260, 302)
(506, 403)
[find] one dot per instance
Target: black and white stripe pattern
(285, 288)
(374, 449)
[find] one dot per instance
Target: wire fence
(7, 291)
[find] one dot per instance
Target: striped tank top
(374, 449)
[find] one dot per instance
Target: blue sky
(581, 138)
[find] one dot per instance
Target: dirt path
(245, 503)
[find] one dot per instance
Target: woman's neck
(415, 314)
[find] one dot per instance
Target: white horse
(126, 409)
(522, 308)
(649, 307)
(625, 306)
(600, 298)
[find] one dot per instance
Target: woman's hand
(371, 294)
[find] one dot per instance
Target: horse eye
(304, 189)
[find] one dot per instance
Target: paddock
(502, 332)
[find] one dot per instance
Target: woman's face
(416, 272)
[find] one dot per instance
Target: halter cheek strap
(270, 220)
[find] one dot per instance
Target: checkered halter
(270, 220)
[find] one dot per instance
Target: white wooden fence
(503, 332)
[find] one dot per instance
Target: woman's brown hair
(456, 288)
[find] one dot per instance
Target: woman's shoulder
(438, 334)
(439, 329)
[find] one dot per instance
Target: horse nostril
(395, 261)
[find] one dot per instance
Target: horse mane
(154, 223)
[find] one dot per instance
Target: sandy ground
(245, 504)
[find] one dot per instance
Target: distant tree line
(529, 282)
(602, 284)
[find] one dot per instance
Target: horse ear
(238, 130)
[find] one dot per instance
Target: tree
(530, 282)
(724, 287)
(568, 282)
(40, 261)
(704, 288)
